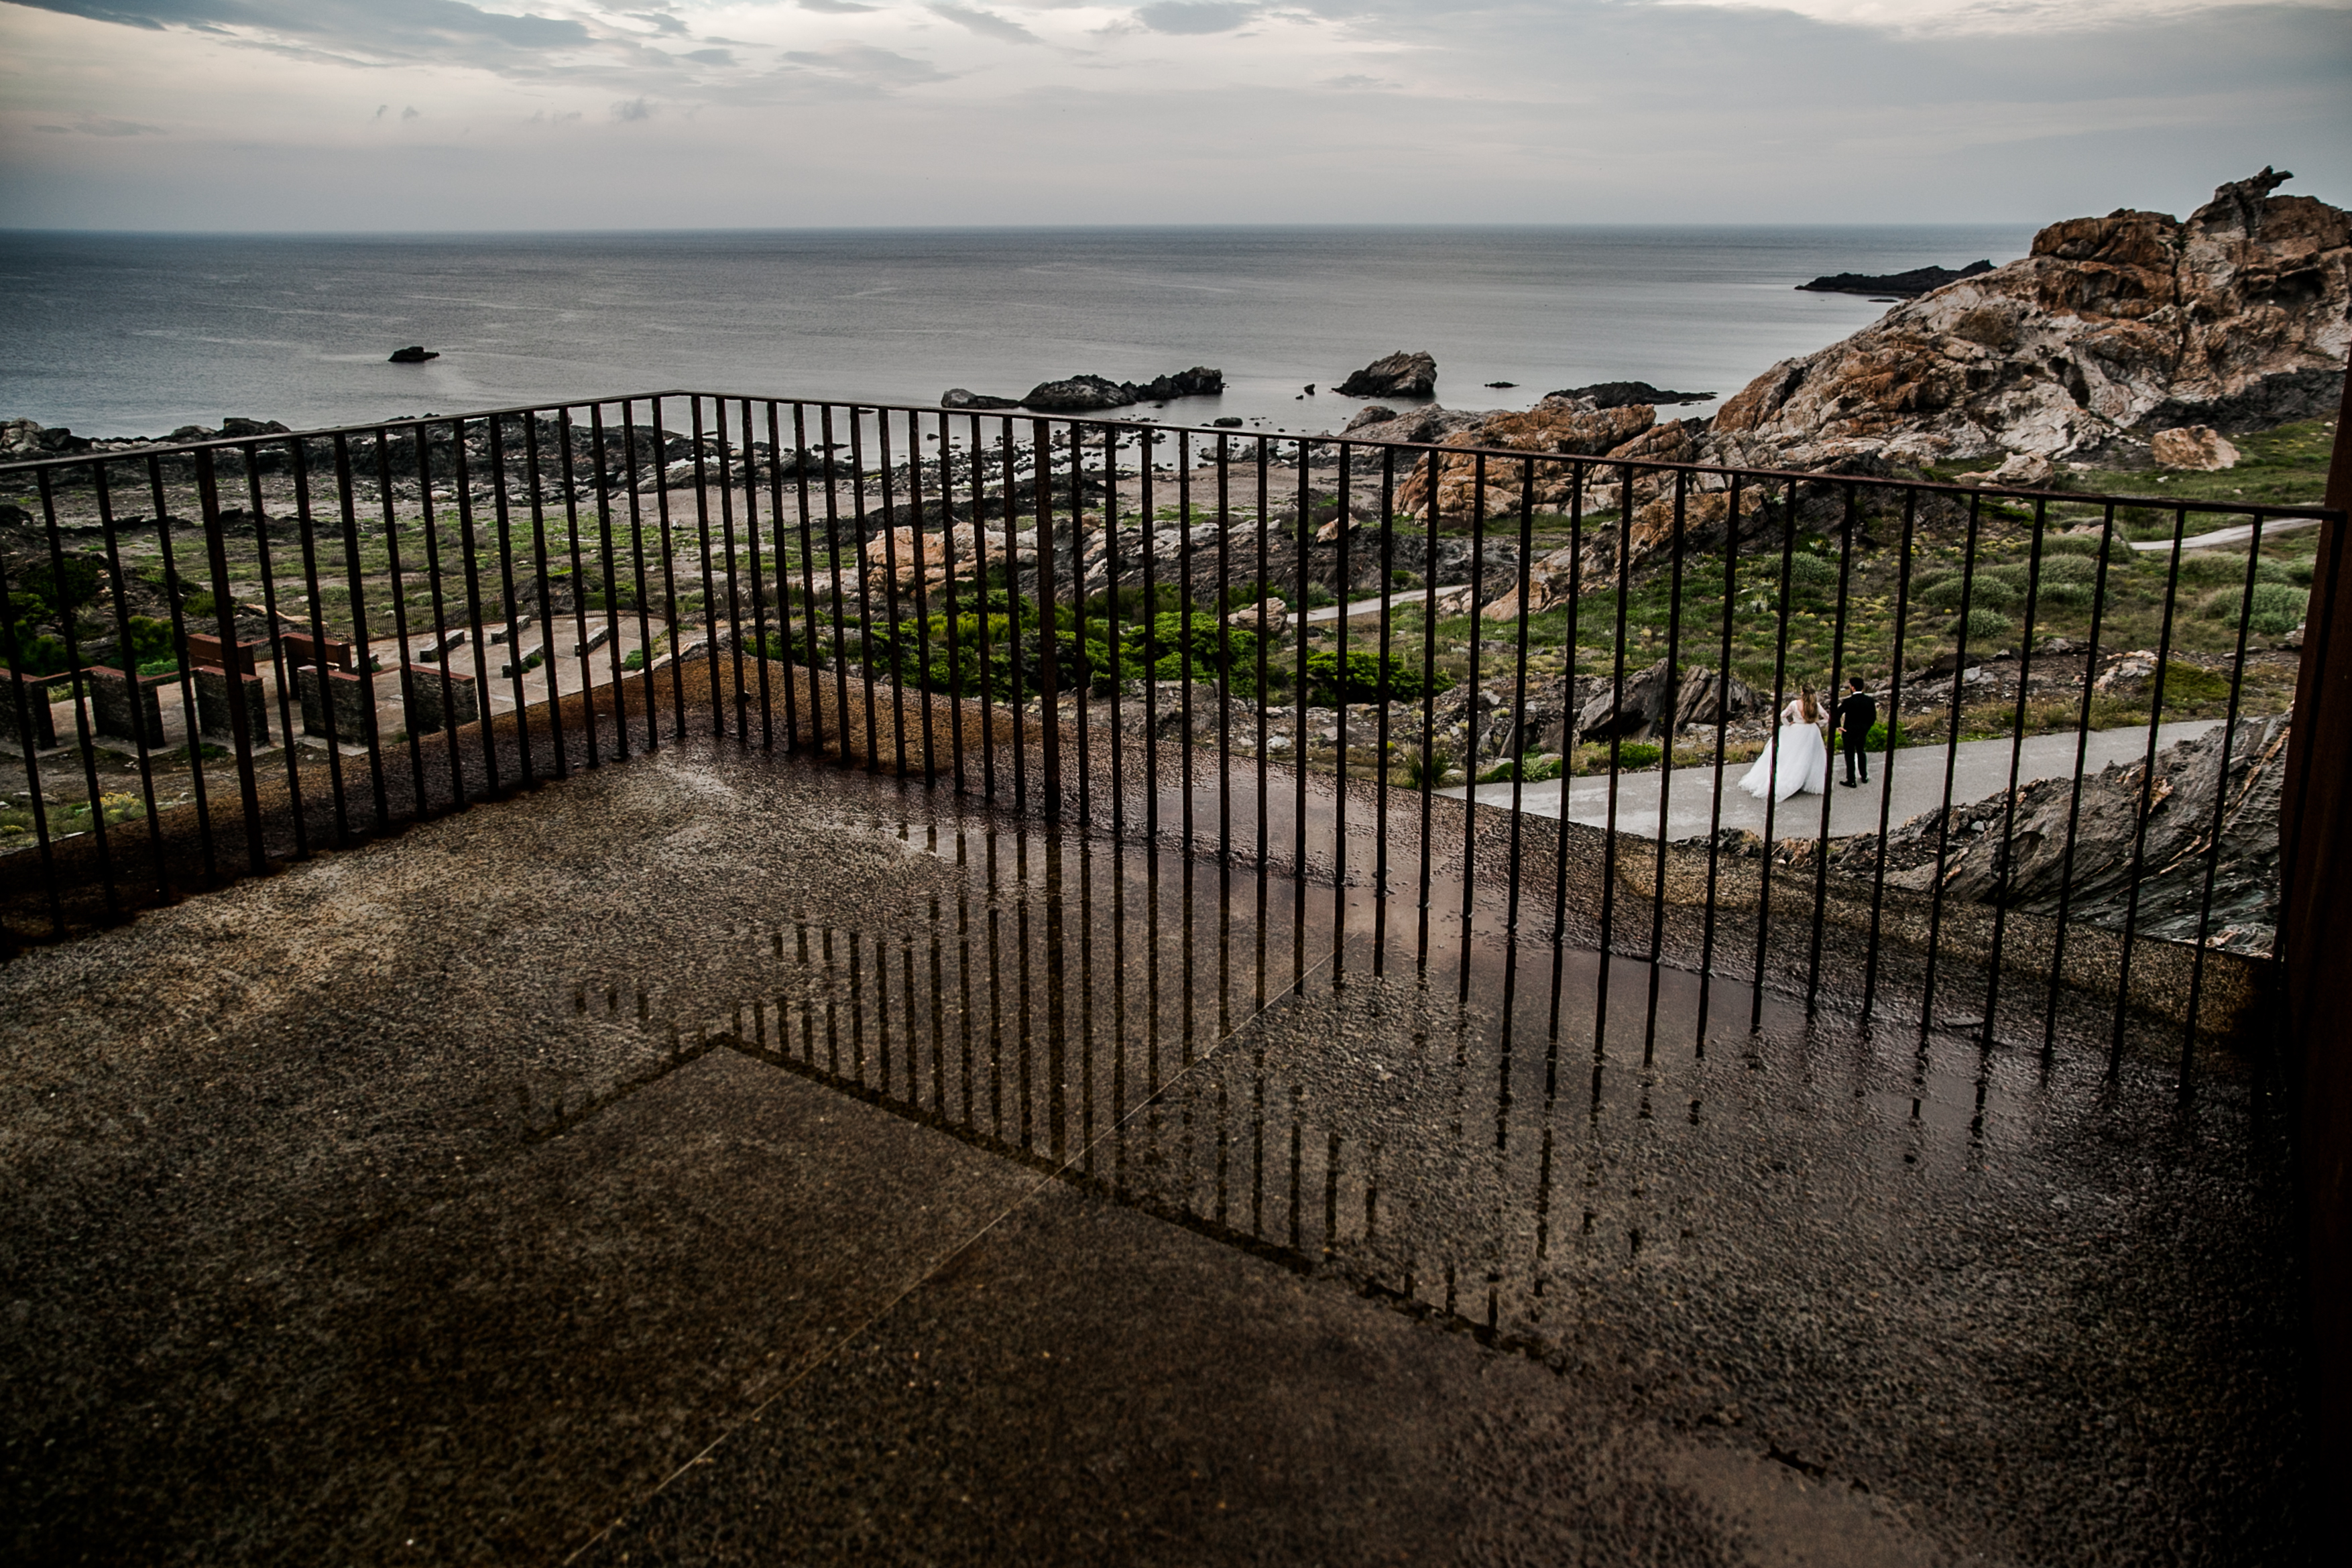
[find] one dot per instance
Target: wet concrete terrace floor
(723, 1157)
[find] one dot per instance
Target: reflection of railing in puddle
(1535, 1141)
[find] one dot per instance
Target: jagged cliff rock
(2236, 318)
(2091, 872)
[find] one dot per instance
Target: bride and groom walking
(1797, 760)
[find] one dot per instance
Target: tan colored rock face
(2199, 446)
(2239, 314)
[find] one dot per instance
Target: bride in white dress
(1798, 760)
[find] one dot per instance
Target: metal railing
(1076, 619)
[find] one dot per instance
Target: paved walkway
(1917, 779)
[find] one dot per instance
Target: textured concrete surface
(717, 1158)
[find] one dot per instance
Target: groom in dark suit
(1854, 717)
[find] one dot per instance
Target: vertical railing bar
(2146, 788)
(1150, 439)
(808, 581)
(85, 699)
(131, 672)
(670, 576)
(1224, 657)
(1951, 763)
(778, 542)
(1049, 683)
(1118, 671)
(362, 654)
(608, 567)
(225, 603)
(1381, 733)
(1616, 753)
(1012, 569)
(1078, 624)
(759, 584)
(987, 638)
(2016, 758)
(922, 594)
(2074, 790)
(1303, 537)
(488, 729)
(1429, 770)
(1893, 743)
(502, 516)
(865, 588)
(308, 524)
(1569, 741)
(956, 698)
(890, 587)
(709, 582)
(741, 699)
(549, 656)
(1828, 781)
(1773, 726)
(2220, 808)
(1526, 585)
(198, 791)
(1345, 576)
(1666, 762)
(1184, 629)
(23, 699)
(568, 469)
(1471, 713)
(399, 612)
(1265, 634)
(431, 526)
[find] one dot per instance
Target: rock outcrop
(2197, 447)
(2092, 869)
(960, 397)
(1087, 394)
(2236, 318)
(1903, 284)
(1400, 374)
(1625, 394)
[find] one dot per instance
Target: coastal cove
(118, 334)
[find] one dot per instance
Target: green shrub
(2210, 570)
(1633, 754)
(2014, 574)
(1366, 680)
(1813, 570)
(2188, 683)
(1986, 593)
(1984, 624)
(636, 661)
(2065, 595)
(2069, 569)
(2118, 547)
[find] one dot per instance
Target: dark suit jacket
(1854, 717)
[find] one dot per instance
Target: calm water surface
(130, 334)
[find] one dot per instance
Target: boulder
(1088, 394)
(2020, 469)
(2199, 446)
(1400, 374)
(415, 354)
(2238, 318)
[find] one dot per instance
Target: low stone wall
(34, 694)
(422, 690)
(122, 705)
(216, 717)
(354, 708)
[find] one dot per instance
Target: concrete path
(2231, 535)
(1917, 777)
(1357, 609)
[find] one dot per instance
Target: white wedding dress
(1797, 762)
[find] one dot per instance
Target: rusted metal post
(2315, 940)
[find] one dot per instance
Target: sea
(127, 334)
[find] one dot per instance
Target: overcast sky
(326, 115)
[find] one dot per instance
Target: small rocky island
(1902, 285)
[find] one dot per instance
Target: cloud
(658, 20)
(633, 108)
(867, 65)
(434, 31)
(1964, 17)
(710, 57)
(835, 7)
(1193, 16)
(987, 24)
(1354, 80)
(411, 113)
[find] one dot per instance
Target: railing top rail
(2066, 497)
